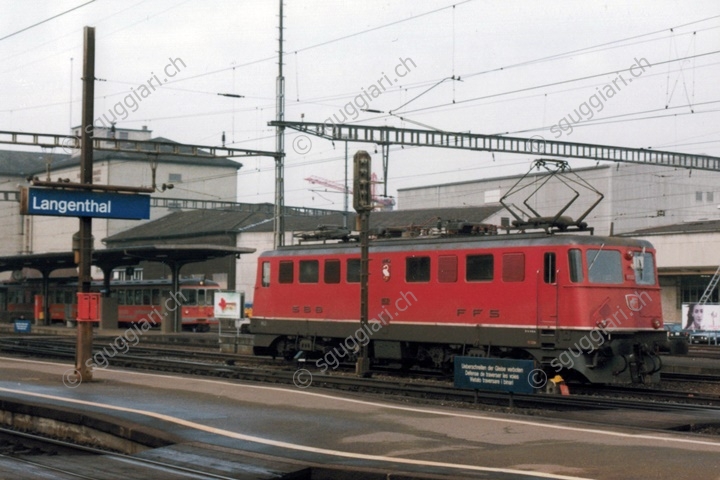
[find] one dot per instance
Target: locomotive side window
(120, 294)
(309, 271)
(604, 266)
(479, 268)
(353, 270)
(549, 268)
(286, 272)
(644, 269)
(417, 269)
(331, 273)
(447, 268)
(201, 297)
(575, 264)
(266, 274)
(513, 267)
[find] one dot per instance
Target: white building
(636, 196)
(193, 179)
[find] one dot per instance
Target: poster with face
(700, 317)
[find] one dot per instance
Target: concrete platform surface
(327, 428)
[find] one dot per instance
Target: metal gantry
(537, 145)
(70, 143)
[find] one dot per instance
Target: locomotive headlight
(601, 324)
(656, 323)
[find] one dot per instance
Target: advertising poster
(700, 317)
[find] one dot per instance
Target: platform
(314, 426)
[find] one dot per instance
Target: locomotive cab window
(479, 268)
(549, 268)
(417, 269)
(604, 266)
(331, 274)
(513, 267)
(309, 271)
(266, 274)
(644, 268)
(285, 274)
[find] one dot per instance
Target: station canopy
(110, 258)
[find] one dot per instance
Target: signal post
(362, 203)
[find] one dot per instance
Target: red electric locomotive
(580, 305)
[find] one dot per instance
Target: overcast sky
(526, 68)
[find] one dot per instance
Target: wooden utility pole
(83, 352)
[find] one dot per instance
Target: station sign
(494, 374)
(78, 203)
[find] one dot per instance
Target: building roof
(23, 164)
(259, 218)
(504, 177)
(704, 226)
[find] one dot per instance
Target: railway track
(33, 456)
(595, 398)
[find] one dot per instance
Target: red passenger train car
(136, 299)
(583, 306)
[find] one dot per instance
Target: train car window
(147, 297)
(479, 268)
(331, 274)
(285, 275)
(266, 274)
(447, 268)
(156, 296)
(309, 271)
(210, 297)
(188, 296)
(201, 297)
(513, 267)
(120, 295)
(138, 297)
(575, 265)
(644, 267)
(604, 266)
(353, 270)
(70, 297)
(417, 269)
(129, 298)
(549, 268)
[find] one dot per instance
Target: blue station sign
(77, 203)
(494, 374)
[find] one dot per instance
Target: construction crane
(384, 203)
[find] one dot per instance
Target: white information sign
(228, 304)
